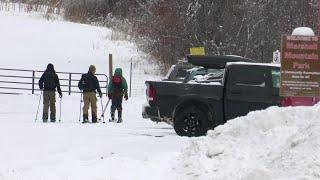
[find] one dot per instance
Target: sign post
(300, 66)
(130, 76)
(110, 66)
(276, 57)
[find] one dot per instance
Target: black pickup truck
(194, 107)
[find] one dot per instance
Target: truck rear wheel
(191, 121)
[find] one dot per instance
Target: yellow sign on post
(197, 51)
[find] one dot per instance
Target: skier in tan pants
(89, 84)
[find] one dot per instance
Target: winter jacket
(89, 83)
(49, 81)
(112, 90)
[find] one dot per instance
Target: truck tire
(191, 121)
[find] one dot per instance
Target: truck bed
(169, 94)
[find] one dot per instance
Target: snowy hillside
(31, 42)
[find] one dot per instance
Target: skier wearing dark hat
(89, 84)
(49, 82)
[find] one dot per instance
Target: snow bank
(303, 31)
(278, 143)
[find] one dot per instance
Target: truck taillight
(151, 94)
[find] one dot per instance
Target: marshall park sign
(300, 66)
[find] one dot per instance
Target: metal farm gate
(21, 81)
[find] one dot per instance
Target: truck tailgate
(170, 93)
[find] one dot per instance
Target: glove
(100, 95)
(110, 96)
(60, 95)
(126, 97)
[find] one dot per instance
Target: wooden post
(130, 76)
(110, 67)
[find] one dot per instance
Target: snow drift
(278, 143)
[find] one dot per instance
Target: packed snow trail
(135, 149)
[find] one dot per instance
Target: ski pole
(60, 110)
(38, 106)
(81, 106)
(104, 110)
(101, 109)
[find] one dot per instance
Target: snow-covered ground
(136, 149)
(278, 143)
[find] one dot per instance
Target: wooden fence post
(130, 77)
(110, 66)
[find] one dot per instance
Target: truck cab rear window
(249, 78)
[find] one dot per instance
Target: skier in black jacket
(89, 84)
(49, 82)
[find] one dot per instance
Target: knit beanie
(92, 68)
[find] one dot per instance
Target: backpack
(49, 82)
(117, 82)
(86, 83)
(83, 82)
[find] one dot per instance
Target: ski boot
(85, 119)
(94, 119)
(45, 118)
(119, 117)
(52, 117)
(119, 120)
(112, 118)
